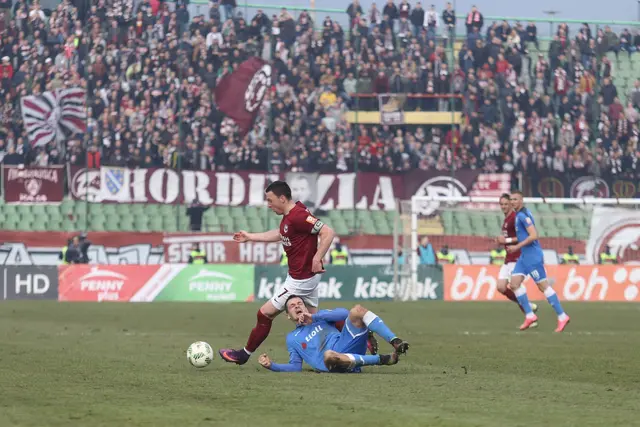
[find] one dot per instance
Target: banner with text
(318, 191)
(104, 282)
(209, 283)
(43, 248)
(29, 282)
(146, 283)
(553, 184)
(351, 283)
(33, 184)
(572, 283)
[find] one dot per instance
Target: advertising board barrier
(352, 282)
(571, 282)
(29, 282)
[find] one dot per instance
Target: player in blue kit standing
(531, 263)
(319, 344)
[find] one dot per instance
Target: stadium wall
(42, 248)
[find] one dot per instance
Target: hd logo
(29, 282)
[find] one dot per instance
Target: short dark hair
(505, 196)
(286, 303)
(279, 188)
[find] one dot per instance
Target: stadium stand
(563, 104)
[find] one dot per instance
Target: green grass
(64, 364)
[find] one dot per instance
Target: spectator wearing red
(6, 69)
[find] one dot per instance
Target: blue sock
(523, 299)
(375, 324)
(364, 360)
(552, 297)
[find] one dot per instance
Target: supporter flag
(115, 184)
(391, 108)
(240, 94)
(54, 115)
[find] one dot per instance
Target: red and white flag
(54, 115)
(240, 94)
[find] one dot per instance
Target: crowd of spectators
(150, 69)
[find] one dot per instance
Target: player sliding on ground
(508, 237)
(318, 343)
(299, 231)
(531, 263)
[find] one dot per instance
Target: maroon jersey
(509, 230)
(299, 235)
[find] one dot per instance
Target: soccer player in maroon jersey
(299, 231)
(508, 237)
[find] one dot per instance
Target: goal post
(468, 226)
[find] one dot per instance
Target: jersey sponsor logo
(285, 240)
(311, 219)
(313, 333)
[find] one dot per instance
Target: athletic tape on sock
(522, 290)
(369, 317)
(549, 292)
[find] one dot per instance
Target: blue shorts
(352, 340)
(534, 269)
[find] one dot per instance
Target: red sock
(259, 333)
(339, 325)
(509, 294)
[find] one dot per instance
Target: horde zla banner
(318, 191)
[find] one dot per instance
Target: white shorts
(307, 289)
(506, 270)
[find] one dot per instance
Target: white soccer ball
(200, 354)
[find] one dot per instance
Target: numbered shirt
(299, 235)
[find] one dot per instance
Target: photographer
(84, 249)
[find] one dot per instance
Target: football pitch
(87, 364)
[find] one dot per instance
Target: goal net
(466, 227)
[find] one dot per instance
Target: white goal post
(466, 220)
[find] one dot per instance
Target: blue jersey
(532, 251)
(309, 342)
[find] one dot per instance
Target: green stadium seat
(222, 211)
(255, 225)
(80, 208)
(55, 225)
(155, 224)
(251, 212)
(70, 225)
(341, 229)
(557, 208)
(113, 209)
(38, 210)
